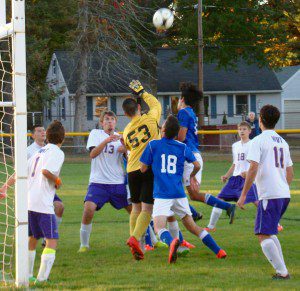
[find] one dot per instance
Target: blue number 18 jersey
(167, 157)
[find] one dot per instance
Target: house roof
(286, 73)
(170, 74)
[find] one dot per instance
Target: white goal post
(16, 30)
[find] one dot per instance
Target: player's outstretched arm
(55, 179)
(289, 175)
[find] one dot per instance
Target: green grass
(109, 264)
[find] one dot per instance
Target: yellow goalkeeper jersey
(140, 130)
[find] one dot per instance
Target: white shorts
(188, 169)
(167, 207)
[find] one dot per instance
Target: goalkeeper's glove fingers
(136, 87)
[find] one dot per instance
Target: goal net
(13, 160)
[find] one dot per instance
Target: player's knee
(51, 243)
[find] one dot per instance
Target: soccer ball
(163, 19)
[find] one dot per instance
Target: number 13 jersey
(140, 130)
(272, 154)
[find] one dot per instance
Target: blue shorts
(269, 213)
(42, 225)
(56, 198)
(233, 190)
(100, 194)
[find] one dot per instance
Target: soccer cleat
(161, 244)
(173, 250)
(231, 212)
(187, 244)
(279, 227)
(198, 216)
(32, 279)
(280, 277)
(149, 248)
(221, 254)
(210, 229)
(183, 251)
(135, 248)
(83, 249)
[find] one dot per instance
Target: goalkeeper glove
(136, 87)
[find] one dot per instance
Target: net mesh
(7, 205)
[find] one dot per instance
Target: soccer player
(43, 179)
(188, 135)
(272, 169)
(107, 177)
(167, 158)
(233, 189)
(137, 134)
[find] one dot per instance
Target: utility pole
(200, 65)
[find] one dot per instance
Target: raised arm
(154, 105)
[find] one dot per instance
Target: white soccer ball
(163, 19)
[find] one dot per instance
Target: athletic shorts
(233, 190)
(169, 207)
(42, 225)
(141, 186)
(269, 213)
(56, 198)
(188, 169)
(100, 194)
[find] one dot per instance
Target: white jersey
(272, 154)
(107, 167)
(32, 150)
(41, 191)
(239, 153)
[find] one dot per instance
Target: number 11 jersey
(272, 154)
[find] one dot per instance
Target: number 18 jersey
(239, 153)
(272, 154)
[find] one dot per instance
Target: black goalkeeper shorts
(141, 186)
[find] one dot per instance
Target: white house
(232, 91)
(289, 79)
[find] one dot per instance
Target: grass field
(109, 264)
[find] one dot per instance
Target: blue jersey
(188, 119)
(167, 157)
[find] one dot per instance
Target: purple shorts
(100, 194)
(56, 198)
(42, 225)
(268, 215)
(233, 190)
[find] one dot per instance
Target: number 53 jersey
(140, 130)
(272, 154)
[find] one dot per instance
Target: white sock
(174, 229)
(270, 250)
(85, 232)
(47, 261)
(278, 245)
(31, 262)
(152, 236)
(214, 217)
(58, 221)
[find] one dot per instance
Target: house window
(63, 108)
(54, 67)
(241, 104)
(100, 105)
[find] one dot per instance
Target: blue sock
(165, 236)
(180, 236)
(193, 210)
(209, 241)
(148, 237)
(215, 202)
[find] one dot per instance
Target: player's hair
(107, 112)
(190, 94)
(130, 106)
(269, 116)
(35, 126)
(244, 123)
(171, 127)
(55, 132)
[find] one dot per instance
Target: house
(233, 91)
(289, 79)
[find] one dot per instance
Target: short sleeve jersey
(167, 157)
(32, 150)
(188, 119)
(272, 154)
(107, 167)
(41, 191)
(239, 153)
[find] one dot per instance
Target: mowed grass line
(109, 264)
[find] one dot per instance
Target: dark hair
(190, 94)
(107, 112)
(269, 116)
(171, 127)
(35, 126)
(55, 132)
(245, 123)
(130, 106)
